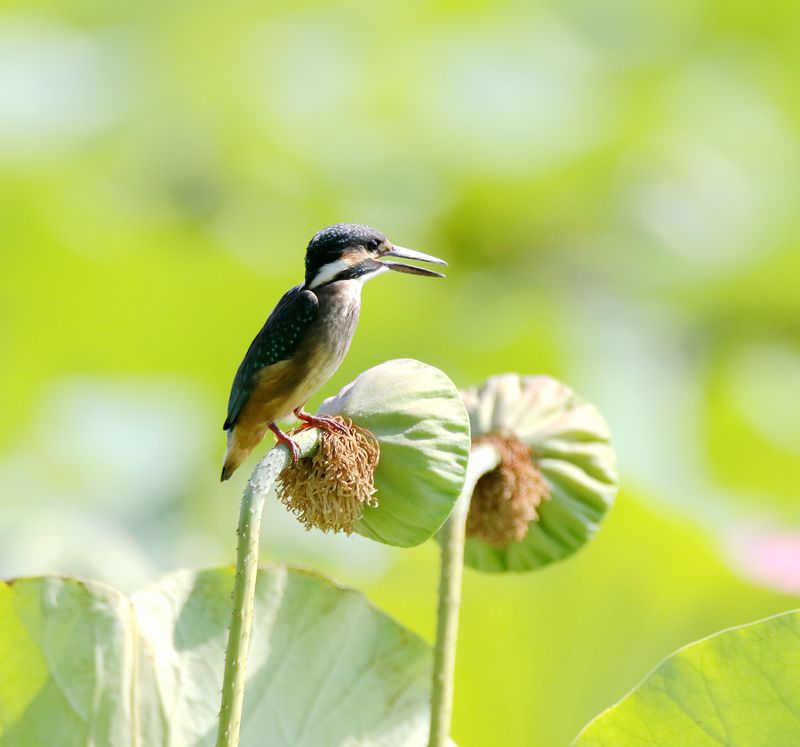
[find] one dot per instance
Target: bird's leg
(322, 421)
(282, 438)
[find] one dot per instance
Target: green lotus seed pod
(556, 479)
(418, 418)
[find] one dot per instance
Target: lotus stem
(483, 459)
(244, 583)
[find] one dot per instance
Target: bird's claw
(322, 421)
(294, 449)
(287, 441)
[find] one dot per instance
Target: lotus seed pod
(420, 424)
(556, 478)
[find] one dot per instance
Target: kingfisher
(306, 337)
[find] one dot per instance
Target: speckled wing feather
(277, 341)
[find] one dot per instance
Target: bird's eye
(373, 243)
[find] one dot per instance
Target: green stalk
(244, 584)
(482, 459)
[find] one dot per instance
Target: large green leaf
(571, 444)
(740, 687)
(80, 664)
(419, 419)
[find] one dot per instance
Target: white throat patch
(328, 272)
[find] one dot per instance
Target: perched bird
(306, 337)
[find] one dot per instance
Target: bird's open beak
(401, 251)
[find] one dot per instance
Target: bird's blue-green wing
(277, 341)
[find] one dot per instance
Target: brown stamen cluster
(330, 489)
(505, 500)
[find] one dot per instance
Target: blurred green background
(615, 186)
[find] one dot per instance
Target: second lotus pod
(556, 479)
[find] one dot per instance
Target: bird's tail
(228, 468)
(234, 456)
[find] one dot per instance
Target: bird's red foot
(319, 421)
(290, 443)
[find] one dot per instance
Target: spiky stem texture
(483, 459)
(244, 584)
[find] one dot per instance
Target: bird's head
(348, 251)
